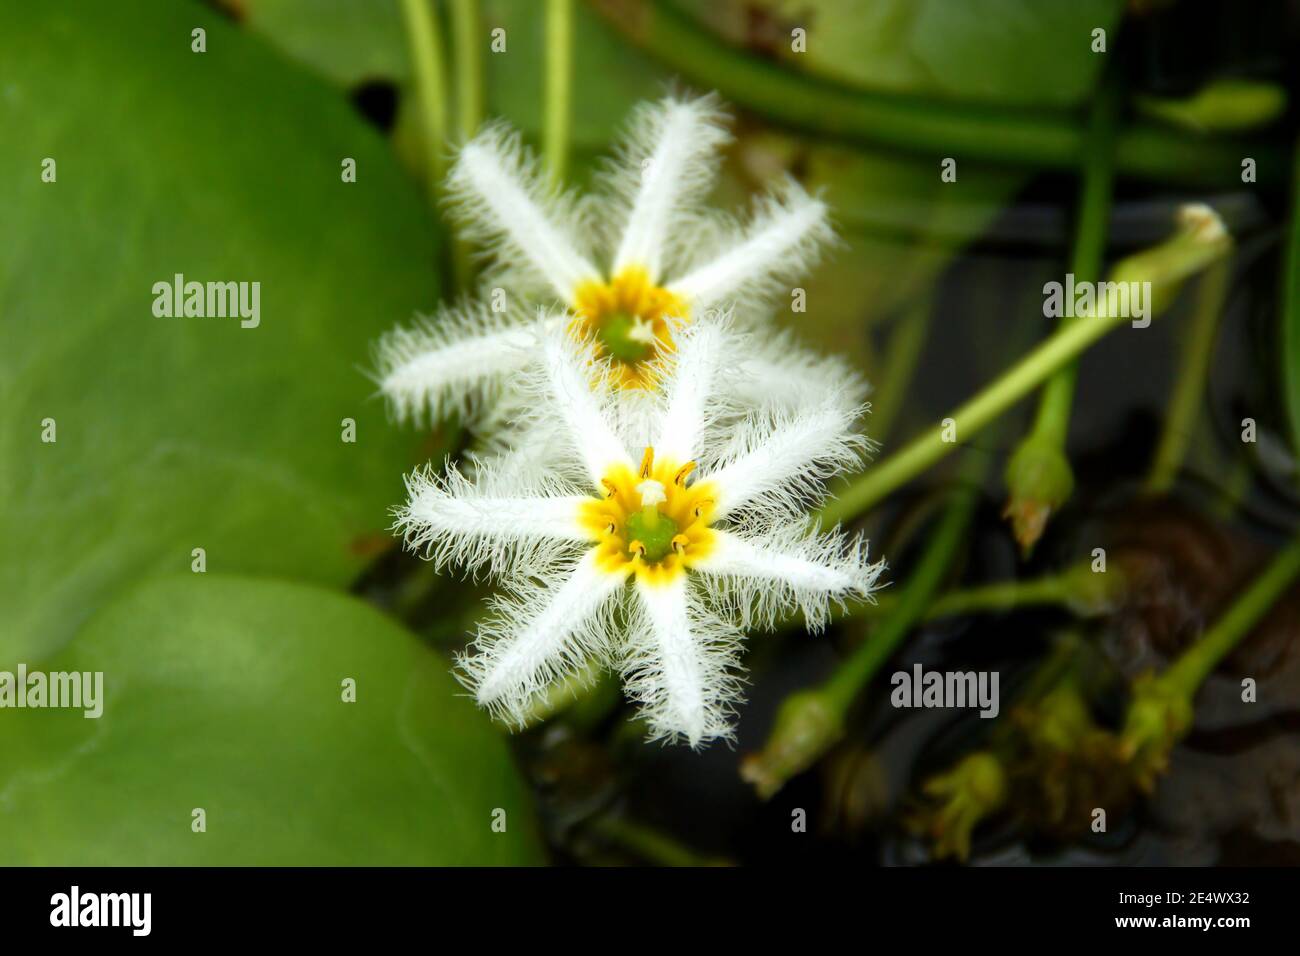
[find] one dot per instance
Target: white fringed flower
(630, 266)
(649, 540)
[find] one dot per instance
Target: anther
(637, 548)
(686, 469)
(680, 541)
(647, 462)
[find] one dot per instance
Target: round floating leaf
(1012, 52)
(175, 434)
(227, 695)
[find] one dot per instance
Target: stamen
(680, 478)
(647, 462)
(680, 541)
(699, 508)
(610, 487)
(637, 548)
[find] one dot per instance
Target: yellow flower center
(631, 320)
(650, 522)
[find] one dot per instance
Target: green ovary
(616, 334)
(654, 530)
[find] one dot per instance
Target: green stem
(1039, 476)
(1038, 139)
(648, 844)
(559, 83)
(1002, 596)
(469, 66)
(969, 419)
(1189, 390)
(810, 722)
(1053, 422)
(1200, 660)
(1201, 240)
(855, 672)
(425, 40)
(905, 347)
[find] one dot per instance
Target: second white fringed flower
(669, 260)
(646, 542)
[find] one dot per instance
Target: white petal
(546, 632)
(778, 462)
(454, 520)
(789, 567)
(680, 665)
(778, 373)
(690, 377)
(504, 201)
(580, 399)
(666, 166)
(451, 362)
(783, 241)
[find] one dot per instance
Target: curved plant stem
(810, 722)
(1161, 711)
(559, 85)
(1189, 390)
(904, 352)
(1039, 476)
(469, 66)
(1003, 596)
(1089, 248)
(425, 42)
(650, 845)
(1200, 241)
(1191, 669)
(969, 419)
(916, 596)
(1038, 139)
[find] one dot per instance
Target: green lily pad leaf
(129, 441)
(226, 695)
(348, 41)
(1012, 52)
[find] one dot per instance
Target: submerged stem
(1086, 256)
(810, 722)
(1161, 712)
(901, 358)
(856, 672)
(1039, 477)
(1200, 241)
(1198, 661)
(1189, 390)
(976, 133)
